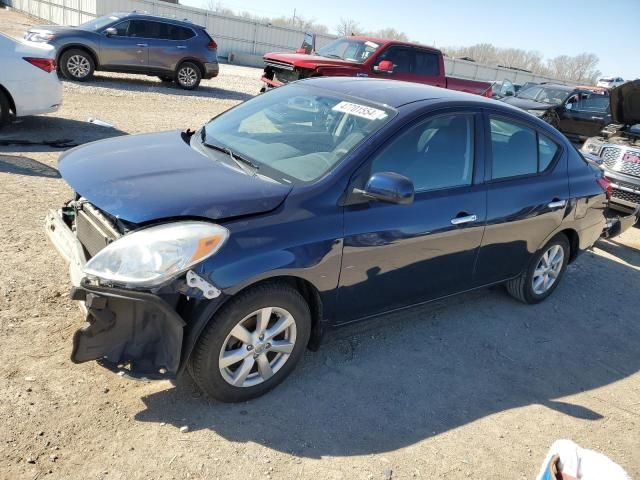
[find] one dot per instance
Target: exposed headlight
(150, 257)
(592, 146)
(537, 113)
(39, 36)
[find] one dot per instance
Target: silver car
(138, 43)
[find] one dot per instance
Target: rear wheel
(77, 65)
(188, 76)
(544, 272)
(5, 113)
(252, 344)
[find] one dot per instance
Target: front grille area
(286, 76)
(626, 196)
(93, 229)
(614, 159)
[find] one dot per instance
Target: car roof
(388, 41)
(393, 93)
(160, 18)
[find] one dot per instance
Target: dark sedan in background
(578, 112)
(133, 42)
(228, 251)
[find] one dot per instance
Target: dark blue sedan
(228, 251)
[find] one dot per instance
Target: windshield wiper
(241, 161)
(332, 55)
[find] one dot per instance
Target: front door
(584, 114)
(411, 64)
(400, 255)
(129, 49)
(527, 197)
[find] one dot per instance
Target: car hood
(625, 103)
(301, 60)
(143, 178)
(525, 103)
(53, 29)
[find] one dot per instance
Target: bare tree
(347, 26)
(390, 33)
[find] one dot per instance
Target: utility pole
(293, 22)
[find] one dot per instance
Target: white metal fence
(234, 34)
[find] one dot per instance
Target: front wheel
(188, 76)
(5, 114)
(252, 344)
(544, 272)
(77, 65)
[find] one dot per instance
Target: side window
(434, 154)
(183, 33)
(144, 29)
(518, 150)
(426, 64)
(123, 28)
(402, 58)
(547, 150)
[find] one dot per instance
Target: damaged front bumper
(136, 332)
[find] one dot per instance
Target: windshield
(97, 23)
(542, 94)
(352, 50)
(296, 134)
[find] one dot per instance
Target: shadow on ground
(48, 133)
(20, 165)
(141, 83)
(396, 380)
(625, 253)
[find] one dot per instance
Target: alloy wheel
(78, 66)
(187, 76)
(548, 269)
(257, 347)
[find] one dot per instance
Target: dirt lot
(478, 386)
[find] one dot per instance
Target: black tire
(5, 110)
(188, 76)
(77, 64)
(521, 288)
(204, 362)
(166, 79)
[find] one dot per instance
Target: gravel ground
(477, 386)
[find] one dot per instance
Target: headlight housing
(39, 36)
(149, 257)
(537, 113)
(591, 145)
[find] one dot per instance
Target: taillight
(46, 64)
(212, 45)
(606, 186)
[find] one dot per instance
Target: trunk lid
(143, 178)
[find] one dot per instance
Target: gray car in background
(173, 50)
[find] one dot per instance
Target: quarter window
(518, 150)
(434, 154)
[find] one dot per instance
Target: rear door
(527, 196)
(585, 114)
(411, 64)
(400, 255)
(169, 45)
(129, 49)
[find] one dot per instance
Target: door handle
(463, 220)
(557, 204)
(181, 46)
(142, 44)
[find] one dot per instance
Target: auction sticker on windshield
(363, 111)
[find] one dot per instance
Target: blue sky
(553, 27)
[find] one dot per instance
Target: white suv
(29, 83)
(610, 82)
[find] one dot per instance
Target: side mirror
(385, 66)
(111, 32)
(389, 187)
(301, 50)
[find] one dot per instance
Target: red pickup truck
(367, 57)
